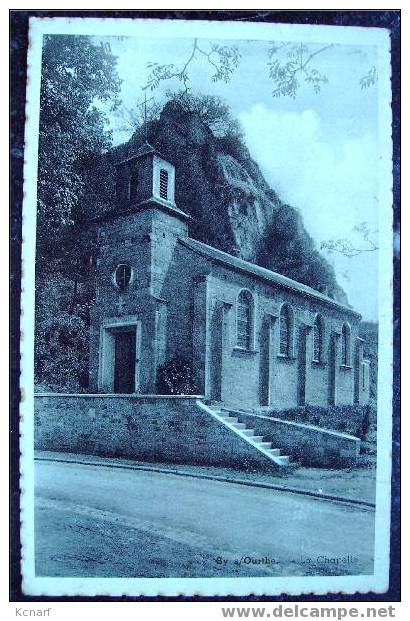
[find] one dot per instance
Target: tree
(224, 59)
(79, 87)
(287, 248)
(62, 335)
(211, 109)
(132, 119)
(369, 332)
(348, 248)
(370, 79)
(292, 64)
(297, 66)
(289, 66)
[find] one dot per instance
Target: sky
(319, 152)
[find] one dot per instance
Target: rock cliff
(232, 205)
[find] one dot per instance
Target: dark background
(18, 71)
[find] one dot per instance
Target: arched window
(245, 320)
(285, 331)
(163, 184)
(345, 345)
(317, 354)
(133, 189)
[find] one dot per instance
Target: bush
(176, 377)
(62, 336)
(352, 419)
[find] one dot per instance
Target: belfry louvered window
(163, 184)
(245, 320)
(133, 188)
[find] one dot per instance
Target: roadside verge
(195, 472)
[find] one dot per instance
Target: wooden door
(124, 368)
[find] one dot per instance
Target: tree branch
(285, 74)
(227, 61)
(322, 49)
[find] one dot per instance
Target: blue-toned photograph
(209, 378)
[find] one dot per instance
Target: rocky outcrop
(223, 189)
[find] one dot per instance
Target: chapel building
(254, 338)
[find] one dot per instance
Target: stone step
(273, 451)
(230, 419)
(284, 460)
(259, 439)
(249, 432)
(265, 445)
(240, 426)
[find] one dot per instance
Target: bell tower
(146, 180)
(138, 242)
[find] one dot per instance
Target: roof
(144, 149)
(223, 258)
(160, 203)
(154, 202)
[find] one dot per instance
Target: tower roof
(145, 149)
(151, 194)
(152, 203)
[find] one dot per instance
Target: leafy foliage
(287, 248)
(176, 377)
(366, 242)
(288, 72)
(224, 59)
(62, 335)
(79, 85)
(290, 65)
(370, 79)
(78, 79)
(351, 419)
(134, 118)
(369, 332)
(212, 110)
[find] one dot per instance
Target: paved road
(100, 521)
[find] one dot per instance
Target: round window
(122, 276)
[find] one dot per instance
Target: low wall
(148, 428)
(311, 446)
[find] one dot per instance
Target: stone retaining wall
(170, 429)
(310, 445)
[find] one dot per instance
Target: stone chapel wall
(241, 369)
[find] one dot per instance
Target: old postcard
(206, 309)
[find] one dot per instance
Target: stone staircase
(264, 447)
